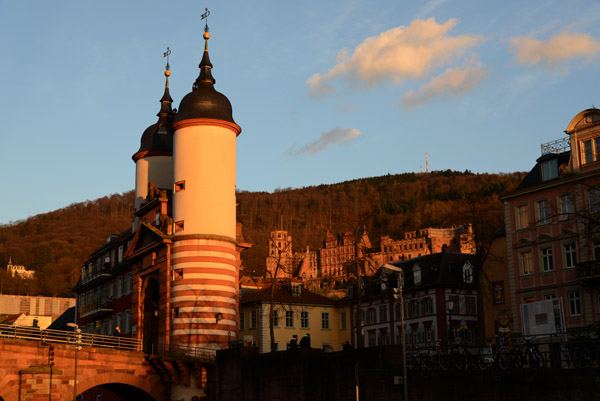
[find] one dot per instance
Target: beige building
(295, 311)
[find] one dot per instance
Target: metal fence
(102, 341)
(505, 353)
(69, 337)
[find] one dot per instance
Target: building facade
(296, 311)
(440, 302)
(551, 220)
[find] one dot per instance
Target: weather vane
(205, 16)
(166, 54)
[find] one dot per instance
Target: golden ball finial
(206, 35)
(167, 73)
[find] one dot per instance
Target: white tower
(204, 292)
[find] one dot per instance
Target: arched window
(467, 272)
(417, 274)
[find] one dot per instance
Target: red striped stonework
(206, 284)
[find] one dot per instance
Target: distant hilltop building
(331, 265)
(19, 271)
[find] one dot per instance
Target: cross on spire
(166, 54)
(205, 16)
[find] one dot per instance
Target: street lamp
(77, 332)
(398, 295)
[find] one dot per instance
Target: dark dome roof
(205, 102)
(156, 138)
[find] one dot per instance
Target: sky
(325, 91)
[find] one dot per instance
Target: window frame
(565, 214)
(304, 319)
(289, 319)
(522, 216)
(325, 321)
(498, 292)
(575, 306)
(569, 255)
(523, 259)
(547, 259)
(544, 212)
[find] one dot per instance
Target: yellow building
(296, 311)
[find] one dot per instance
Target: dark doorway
(150, 316)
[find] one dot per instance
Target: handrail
(69, 337)
(177, 351)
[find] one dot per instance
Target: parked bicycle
(526, 354)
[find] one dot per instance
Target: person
(347, 346)
(305, 341)
(294, 342)
(117, 332)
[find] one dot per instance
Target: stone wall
(311, 375)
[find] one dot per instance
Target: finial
(205, 16)
(167, 68)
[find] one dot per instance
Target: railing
(113, 342)
(69, 337)
(505, 353)
(587, 269)
(556, 146)
(179, 351)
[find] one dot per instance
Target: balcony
(556, 146)
(588, 272)
(95, 309)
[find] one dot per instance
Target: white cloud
(554, 51)
(454, 82)
(336, 136)
(397, 55)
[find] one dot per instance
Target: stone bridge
(27, 372)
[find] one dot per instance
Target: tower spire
(205, 76)
(165, 111)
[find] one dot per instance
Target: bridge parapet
(69, 337)
(32, 370)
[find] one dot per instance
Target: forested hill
(386, 205)
(55, 244)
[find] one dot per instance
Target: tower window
(179, 225)
(179, 185)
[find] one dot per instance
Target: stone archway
(125, 386)
(150, 318)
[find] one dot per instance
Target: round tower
(154, 159)
(204, 291)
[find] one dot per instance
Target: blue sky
(325, 91)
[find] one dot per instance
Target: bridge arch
(126, 386)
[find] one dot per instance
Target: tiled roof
(283, 294)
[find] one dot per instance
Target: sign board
(542, 318)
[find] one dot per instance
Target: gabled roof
(147, 236)
(534, 177)
(284, 295)
(443, 269)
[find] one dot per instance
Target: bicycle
(576, 354)
(526, 354)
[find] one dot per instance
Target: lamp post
(398, 295)
(77, 332)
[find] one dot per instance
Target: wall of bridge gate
(312, 375)
(26, 374)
